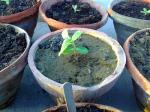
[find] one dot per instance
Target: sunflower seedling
(75, 8)
(68, 46)
(145, 11)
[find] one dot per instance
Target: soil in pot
(12, 45)
(74, 12)
(140, 53)
(15, 6)
(86, 108)
(132, 9)
(84, 70)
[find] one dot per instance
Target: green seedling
(7, 1)
(68, 46)
(145, 11)
(75, 8)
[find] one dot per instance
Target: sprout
(75, 8)
(69, 47)
(145, 11)
(7, 1)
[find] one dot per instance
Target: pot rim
(23, 53)
(99, 106)
(126, 19)
(20, 15)
(102, 21)
(48, 82)
(135, 73)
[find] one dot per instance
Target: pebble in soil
(12, 44)
(15, 6)
(84, 70)
(140, 53)
(87, 108)
(64, 12)
(132, 9)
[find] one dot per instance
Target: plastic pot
(140, 83)
(102, 108)
(56, 25)
(10, 76)
(80, 93)
(26, 19)
(124, 25)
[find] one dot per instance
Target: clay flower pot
(99, 107)
(56, 25)
(80, 93)
(125, 25)
(10, 76)
(26, 19)
(140, 83)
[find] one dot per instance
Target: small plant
(145, 11)
(75, 8)
(7, 1)
(68, 45)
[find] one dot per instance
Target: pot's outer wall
(56, 25)
(124, 25)
(81, 94)
(10, 76)
(26, 19)
(140, 83)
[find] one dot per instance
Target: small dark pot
(124, 25)
(10, 76)
(26, 19)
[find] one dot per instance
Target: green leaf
(68, 51)
(76, 35)
(65, 45)
(82, 50)
(65, 34)
(7, 1)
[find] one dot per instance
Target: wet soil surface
(132, 9)
(87, 108)
(84, 70)
(15, 6)
(12, 44)
(140, 53)
(64, 12)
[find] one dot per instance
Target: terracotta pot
(124, 25)
(26, 19)
(80, 93)
(11, 75)
(56, 25)
(102, 108)
(140, 83)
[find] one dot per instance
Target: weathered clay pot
(11, 75)
(102, 108)
(26, 19)
(80, 93)
(140, 83)
(124, 25)
(56, 25)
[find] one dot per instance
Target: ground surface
(31, 98)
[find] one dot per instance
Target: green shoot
(7, 1)
(145, 11)
(68, 46)
(75, 8)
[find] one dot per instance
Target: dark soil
(12, 44)
(64, 12)
(15, 6)
(87, 108)
(132, 9)
(140, 53)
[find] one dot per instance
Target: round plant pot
(80, 93)
(124, 25)
(56, 25)
(10, 76)
(26, 19)
(99, 107)
(140, 83)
